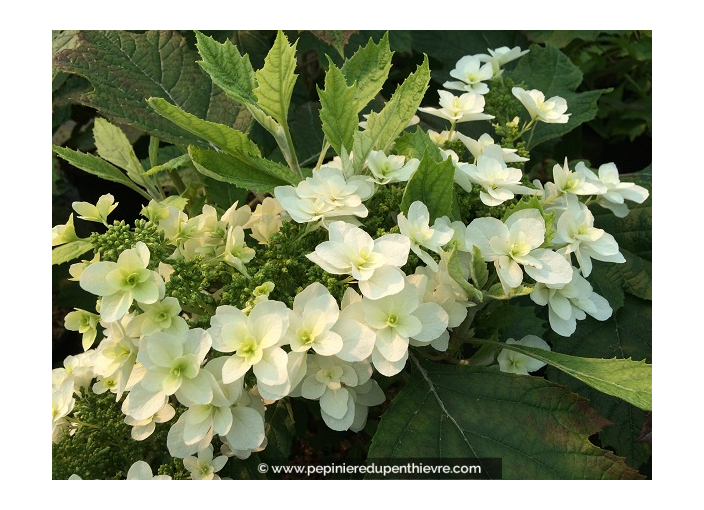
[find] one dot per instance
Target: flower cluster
(411, 287)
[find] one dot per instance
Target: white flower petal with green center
(94, 278)
(114, 306)
(234, 368)
(555, 269)
(391, 345)
(312, 388)
(142, 403)
(228, 329)
(197, 389)
(434, 320)
(386, 281)
(386, 367)
(247, 430)
(334, 402)
(268, 322)
(160, 349)
(357, 339)
(271, 369)
(517, 363)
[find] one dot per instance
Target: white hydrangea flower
(62, 234)
(617, 192)
(467, 107)
(472, 75)
(99, 212)
(160, 316)
(327, 194)
(236, 252)
(373, 263)
(386, 169)
(173, 364)
(266, 220)
(516, 243)
(62, 403)
(204, 466)
(501, 56)
(571, 302)
(255, 340)
(499, 182)
(357, 338)
(314, 313)
(116, 355)
(575, 183)
(517, 363)
(550, 111)
(142, 429)
(85, 323)
(79, 368)
(417, 228)
(575, 229)
(397, 319)
(140, 470)
(122, 282)
(485, 143)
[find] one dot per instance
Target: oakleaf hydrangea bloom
(99, 212)
(417, 228)
(160, 316)
(142, 429)
(517, 363)
(499, 182)
(116, 355)
(314, 313)
(386, 169)
(551, 111)
(173, 364)
(397, 319)
(62, 403)
(485, 144)
(266, 220)
(62, 234)
(571, 302)
(373, 263)
(204, 466)
(467, 107)
(237, 253)
(575, 183)
(575, 229)
(255, 340)
(471, 73)
(327, 194)
(85, 323)
(516, 243)
(333, 382)
(501, 56)
(122, 282)
(140, 470)
(617, 192)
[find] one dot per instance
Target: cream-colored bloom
(551, 111)
(467, 107)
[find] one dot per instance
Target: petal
(555, 268)
(247, 430)
(434, 319)
(271, 370)
(357, 339)
(385, 281)
(391, 345)
(93, 278)
(394, 248)
(334, 402)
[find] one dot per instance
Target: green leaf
(634, 235)
(415, 144)
(627, 334)
(276, 79)
(228, 69)
(339, 114)
(69, 251)
(386, 125)
(97, 166)
(279, 433)
(363, 145)
(114, 147)
(455, 271)
(336, 38)
(626, 379)
(368, 68)
(607, 280)
(478, 270)
(125, 68)
(538, 429)
(551, 72)
(432, 184)
(496, 291)
(224, 137)
(227, 168)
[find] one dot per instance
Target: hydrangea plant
(399, 265)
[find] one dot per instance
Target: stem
(323, 152)
(530, 139)
(178, 182)
(291, 153)
(452, 131)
